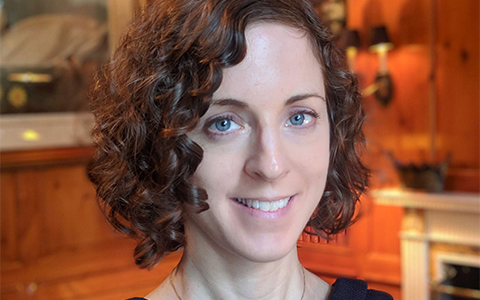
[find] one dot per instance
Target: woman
(225, 127)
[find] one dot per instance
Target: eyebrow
(241, 104)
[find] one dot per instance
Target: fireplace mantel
(451, 218)
(447, 201)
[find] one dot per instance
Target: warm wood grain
(72, 214)
(404, 126)
(30, 215)
(53, 233)
(458, 79)
(8, 212)
(48, 208)
(101, 271)
(44, 157)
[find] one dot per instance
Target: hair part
(159, 84)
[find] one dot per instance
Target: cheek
(313, 156)
(314, 168)
(313, 164)
(217, 172)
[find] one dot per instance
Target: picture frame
(333, 13)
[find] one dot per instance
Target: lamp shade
(380, 39)
(353, 39)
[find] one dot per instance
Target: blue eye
(301, 118)
(223, 125)
(297, 119)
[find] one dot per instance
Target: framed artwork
(334, 13)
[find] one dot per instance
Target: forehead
(279, 61)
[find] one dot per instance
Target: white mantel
(452, 218)
(449, 201)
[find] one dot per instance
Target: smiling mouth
(264, 205)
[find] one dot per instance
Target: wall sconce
(352, 44)
(381, 44)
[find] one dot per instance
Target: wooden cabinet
(47, 204)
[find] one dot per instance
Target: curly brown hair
(159, 84)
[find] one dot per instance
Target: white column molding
(452, 218)
(415, 269)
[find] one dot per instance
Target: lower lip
(257, 213)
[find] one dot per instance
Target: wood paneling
(44, 157)
(404, 127)
(30, 215)
(370, 250)
(49, 210)
(8, 212)
(48, 207)
(458, 81)
(101, 271)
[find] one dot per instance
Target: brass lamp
(381, 44)
(383, 86)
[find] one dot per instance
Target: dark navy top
(354, 289)
(347, 289)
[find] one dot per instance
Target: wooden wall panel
(404, 127)
(47, 209)
(385, 225)
(30, 215)
(458, 91)
(72, 214)
(8, 227)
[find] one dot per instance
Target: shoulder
(354, 289)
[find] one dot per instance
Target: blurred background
(418, 236)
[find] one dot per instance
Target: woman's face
(266, 148)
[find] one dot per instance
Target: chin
(267, 248)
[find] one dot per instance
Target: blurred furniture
(55, 242)
(434, 225)
(47, 204)
(46, 130)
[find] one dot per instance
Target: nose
(268, 158)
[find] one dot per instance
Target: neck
(213, 274)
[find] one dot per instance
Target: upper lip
(264, 199)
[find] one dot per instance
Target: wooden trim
(44, 157)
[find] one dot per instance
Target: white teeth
(264, 205)
(274, 206)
